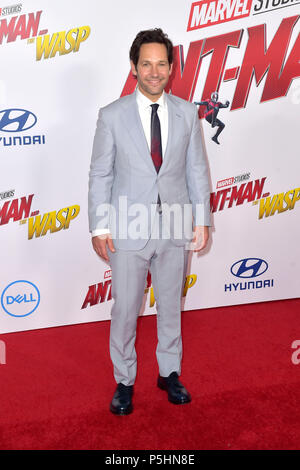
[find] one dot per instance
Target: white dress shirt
(145, 110)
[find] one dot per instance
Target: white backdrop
(54, 278)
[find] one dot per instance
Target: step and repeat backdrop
(63, 60)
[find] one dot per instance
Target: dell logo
(20, 298)
(16, 120)
(10, 299)
(249, 267)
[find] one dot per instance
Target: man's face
(153, 70)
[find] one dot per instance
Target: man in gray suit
(148, 198)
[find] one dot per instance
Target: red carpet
(57, 384)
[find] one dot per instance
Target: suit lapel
(174, 123)
(133, 124)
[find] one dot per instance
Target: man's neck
(153, 98)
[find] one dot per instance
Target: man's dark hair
(146, 37)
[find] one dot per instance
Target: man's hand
(100, 244)
(201, 236)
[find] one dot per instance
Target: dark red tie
(156, 149)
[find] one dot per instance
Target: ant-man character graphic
(212, 109)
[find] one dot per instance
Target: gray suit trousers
(167, 264)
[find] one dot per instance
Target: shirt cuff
(100, 231)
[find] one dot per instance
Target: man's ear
(171, 68)
(133, 69)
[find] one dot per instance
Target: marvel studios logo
(7, 194)
(107, 274)
(5, 11)
(232, 180)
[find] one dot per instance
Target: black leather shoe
(121, 403)
(176, 392)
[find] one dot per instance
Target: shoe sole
(121, 412)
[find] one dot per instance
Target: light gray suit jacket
(122, 174)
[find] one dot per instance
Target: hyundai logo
(20, 298)
(16, 120)
(249, 267)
